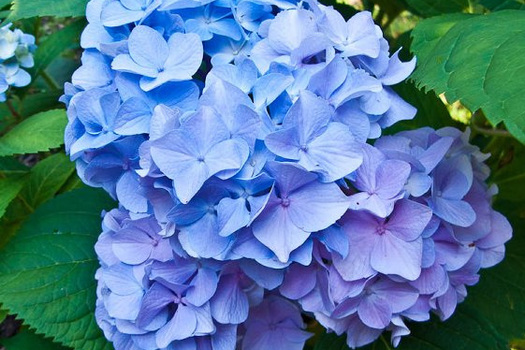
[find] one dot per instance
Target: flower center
(380, 230)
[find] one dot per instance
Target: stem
(49, 80)
(386, 343)
(38, 24)
(12, 109)
(487, 131)
(26, 204)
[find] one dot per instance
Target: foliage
(470, 50)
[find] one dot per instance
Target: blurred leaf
(4, 3)
(57, 43)
(344, 9)
(46, 179)
(3, 315)
(40, 132)
(477, 60)
(429, 8)
(57, 8)
(498, 5)
(10, 166)
(27, 340)
(47, 270)
(511, 177)
(40, 102)
(9, 189)
(391, 7)
(73, 183)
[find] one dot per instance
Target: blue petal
(181, 326)
(232, 215)
(203, 286)
(334, 154)
(148, 48)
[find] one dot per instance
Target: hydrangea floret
(237, 138)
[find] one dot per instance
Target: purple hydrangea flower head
(381, 181)
(389, 247)
(276, 323)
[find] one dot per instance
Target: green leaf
(498, 5)
(40, 132)
(47, 270)
(57, 8)
(9, 189)
(500, 294)
(429, 8)
(46, 179)
(477, 60)
(57, 43)
(27, 339)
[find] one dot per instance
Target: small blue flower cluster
(234, 136)
(16, 52)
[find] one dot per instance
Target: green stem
(487, 131)
(49, 80)
(38, 24)
(386, 343)
(12, 109)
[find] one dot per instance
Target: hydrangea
(416, 260)
(16, 53)
(235, 137)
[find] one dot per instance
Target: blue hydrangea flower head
(235, 137)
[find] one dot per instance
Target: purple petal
(456, 212)
(392, 255)
(409, 219)
(375, 312)
(230, 303)
(391, 177)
